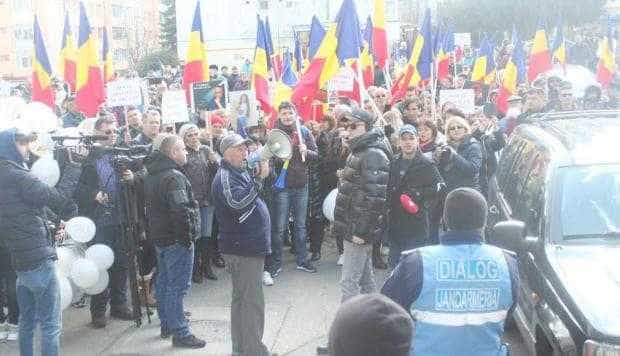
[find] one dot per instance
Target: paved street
(300, 308)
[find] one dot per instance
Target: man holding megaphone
(292, 192)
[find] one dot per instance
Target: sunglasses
(194, 134)
(352, 126)
(454, 128)
(109, 132)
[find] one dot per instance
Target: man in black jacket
(26, 235)
(173, 223)
(414, 185)
(361, 208)
(98, 197)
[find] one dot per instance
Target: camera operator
(98, 197)
(151, 125)
(173, 223)
(134, 123)
(28, 239)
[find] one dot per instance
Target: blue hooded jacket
(24, 229)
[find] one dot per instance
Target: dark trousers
(116, 292)
(316, 230)
(8, 278)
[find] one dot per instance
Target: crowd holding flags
(345, 43)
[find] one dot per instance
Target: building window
(263, 4)
(120, 54)
(119, 33)
(23, 33)
(5, 58)
(24, 62)
(119, 11)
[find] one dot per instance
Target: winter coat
(24, 228)
(361, 204)
(422, 182)
(198, 170)
(463, 169)
(297, 176)
(244, 222)
(491, 143)
(172, 213)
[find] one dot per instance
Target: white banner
(463, 99)
(174, 107)
(124, 92)
(462, 39)
(343, 81)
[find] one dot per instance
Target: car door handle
(493, 210)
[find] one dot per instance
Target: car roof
(579, 138)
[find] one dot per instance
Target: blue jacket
(464, 169)
(24, 229)
(244, 223)
(447, 310)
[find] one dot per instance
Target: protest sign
(462, 39)
(174, 107)
(124, 92)
(343, 81)
(208, 96)
(463, 99)
(243, 108)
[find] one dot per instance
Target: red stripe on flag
(539, 63)
(261, 87)
(193, 73)
(90, 96)
(379, 46)
(69, 74)
(307, 88)
(603, 74)
(46, 96)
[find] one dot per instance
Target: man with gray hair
(173, 223)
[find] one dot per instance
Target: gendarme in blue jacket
(459, 294)
(244, 223)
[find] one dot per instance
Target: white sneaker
(267, 280)
(3, 332)
(340, 260)
(12, 332)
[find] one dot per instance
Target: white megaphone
(278, 145)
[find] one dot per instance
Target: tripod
(131, 246)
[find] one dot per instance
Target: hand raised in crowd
(127, 139)
(61, 233)
(101, 198)
(358, 241)
(303, 149)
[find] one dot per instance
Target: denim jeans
(116, 292)
(285, 200)
(174, 273)
(206, 221)
(38, 295)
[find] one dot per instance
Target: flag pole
(434, 75)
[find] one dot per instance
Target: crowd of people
(393, 164)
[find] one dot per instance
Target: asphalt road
(299, 310)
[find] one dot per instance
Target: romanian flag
(484, 66)
(606, 67)
(41, 70)
(196, 66)
(284, 87)
(68, 55)
(446, 48)
(379, 36)
(89, 92)
(511, 78)
(418, 68)
(108, 69)
(366, 58)
(317, 33)
(518, 56)
(274, 58)
(350, 45)
(558, 49)
(260, 69)
(540, 57)
(323, 67)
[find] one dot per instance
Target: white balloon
(66, 257)
(81, 229)
(580, 77)
(37, 117)
(329, 205)
(101, 285)
(66, 293)
(101, 255)
(84, 273)
(46, 169)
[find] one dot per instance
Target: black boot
(377, 259)
(207, 271)
(198, 263)
(216, 256)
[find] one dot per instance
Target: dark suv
(555, 201)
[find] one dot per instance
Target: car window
(514, 175)
(530, 207)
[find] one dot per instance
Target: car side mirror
(509, 235)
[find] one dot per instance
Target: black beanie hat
(465, 209)
(370, 325)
